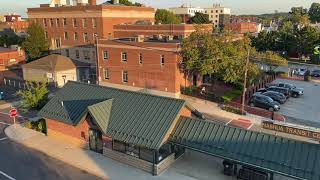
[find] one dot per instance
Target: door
(195, 79)
(95, 141)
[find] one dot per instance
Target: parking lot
(304, 110)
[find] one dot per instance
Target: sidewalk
(89, 161)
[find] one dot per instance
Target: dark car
(315, 73)
(284, 91)
(276, 96)
(294, 91)
(265, 102)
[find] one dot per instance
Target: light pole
(245, 82)
(97, 62)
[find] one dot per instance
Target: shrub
(39, 125)
(232, 109)
(229, 96)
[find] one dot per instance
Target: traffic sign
(13, 112)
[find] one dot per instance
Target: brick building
(242, 27)
(12, 18)
(179, 31)
(138, 63)
(67, 26)
(10, 57)
(19, 26)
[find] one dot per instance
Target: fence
(15, 83)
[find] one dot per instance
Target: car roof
(273, 92)
(278, 87)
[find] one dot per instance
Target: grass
(229, 96)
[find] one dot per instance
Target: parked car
(315, 73)
(265, 102)
(284, 91)
(276, 96)
(300, 71)
(294, 91)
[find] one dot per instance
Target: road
(19, 162)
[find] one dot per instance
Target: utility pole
(97, 62)
(245, 82)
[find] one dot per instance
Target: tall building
(186, 11)
(218, 15)
(67, 25)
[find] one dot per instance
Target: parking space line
(3, 139)
(228, 122)
(5, 123)
(7, 176)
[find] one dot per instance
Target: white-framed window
(94, 23)
(66, 36)
(106, 74)
(140, 58)
(85, 37)
(84, 22)
(86, 54)
(45, 22)
(74, 22)
(162, 60)
(105, 55)
(75, 36)
(124, 56)
(125, 76)
(64, 21)
(77, 54)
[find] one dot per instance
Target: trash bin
(228, 168)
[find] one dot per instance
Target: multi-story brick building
(142, 64)
(10, 57)
(67, 26)
(178, 31)
(243, 27)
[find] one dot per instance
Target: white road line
(229, 122)
(5, 123)
(7, 176)
(250, 127)
(3, 139)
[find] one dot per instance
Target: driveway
(305, 109)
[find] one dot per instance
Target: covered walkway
(283, 156)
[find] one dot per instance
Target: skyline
(243, 7)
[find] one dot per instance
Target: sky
(237, 6)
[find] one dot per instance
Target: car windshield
(269, 99)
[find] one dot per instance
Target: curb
(52, 155)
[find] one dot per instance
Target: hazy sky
(237, 6)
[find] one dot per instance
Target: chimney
(92, 2)
(116, 2)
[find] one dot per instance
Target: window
(221, 11)
(125, 76)
(84, 23)
(64, 21)
(58, 22)
(217, 11)
(211, 11)
(105, 55)
(75, 36)
(77, 54)
(162, 60)
(95, 35)
(46, 34)
(217, 16)
(45, 22)
(85, 37)
(67, 53)
(66, 36)
(75, 23)
(205, 12)
(51, 22)
(124, 57)
(86, 55)
(140, 58)
(94, 23)
(106, 74)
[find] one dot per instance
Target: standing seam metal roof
(285, 156)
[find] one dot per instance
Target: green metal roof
(281, 155)
(137, 118)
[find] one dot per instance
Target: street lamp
(97, 62)
(245, 82)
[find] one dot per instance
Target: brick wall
(11, 57)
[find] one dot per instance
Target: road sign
(13, 112)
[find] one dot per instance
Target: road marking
(250, 127)
(7, 176)
(3, 139)
(229, 122)
(5, 123)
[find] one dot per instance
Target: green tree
(299, 16)
(126, 2)
(269, 58)
(36, 43)
(199, 18)
(35, 96)
(306, 38)
(265, 41)
(314, 12)
(166, 17)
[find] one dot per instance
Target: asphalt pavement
(19, 162)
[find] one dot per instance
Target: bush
(39, 125)
(229, 96)
(232, 109)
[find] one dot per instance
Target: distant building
(186, 11)
(178, 31)
(11, 57)
(238, 19)
(12, 18)
(243, 27)
(19, 26)
(79, 24)
(218, 15)
(55, 69)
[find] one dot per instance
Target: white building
(218, 15)
(55, 3)
(186, 10)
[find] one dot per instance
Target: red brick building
(242, 27)
(10, 57)
(12, 18)
(67, 26)
(179, 31)
(19, 26)
(142, 63)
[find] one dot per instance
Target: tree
(306, 39)
(36, 43)
(314, 12)
(199, 18)
(299, 16)
(265, 41)
(127, 3)
(269, 58)
(166, 17)
(35, 96)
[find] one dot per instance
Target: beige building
(218, 15)
(53, 69)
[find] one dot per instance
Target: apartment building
(218, 15)
(151, 65)
(80, 24)
(186, 11)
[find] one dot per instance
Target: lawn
(231, 95)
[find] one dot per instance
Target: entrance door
(195, 79)
(95, 141)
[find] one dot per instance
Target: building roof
(281, 155)
(53, 63)
(131, 117)
(5, 50)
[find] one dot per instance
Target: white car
(300, 72)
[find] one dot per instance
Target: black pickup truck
(294, 91)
